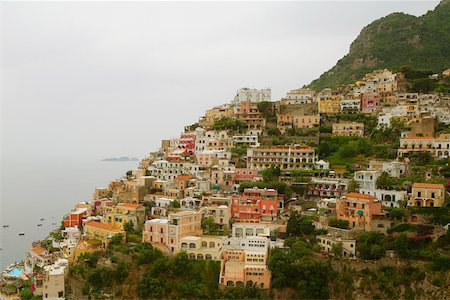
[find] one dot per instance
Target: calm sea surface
(31, 190)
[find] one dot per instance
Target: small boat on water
(53, 223)
(42, 219)
(5, 226)
(22, 233)
(39, 224)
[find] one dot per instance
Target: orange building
(358, 209)
(256, 205)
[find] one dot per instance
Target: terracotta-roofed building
(358, 209)
(37, 257)
(102, 231)
(427, 195)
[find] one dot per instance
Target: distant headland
(123, 158)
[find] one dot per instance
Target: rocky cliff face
(395, 41)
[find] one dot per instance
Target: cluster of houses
(197, 177)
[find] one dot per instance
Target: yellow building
(214, 114)
(329, 104)
(348, 129)
(101, 231)
(202, 247)
(427, 195)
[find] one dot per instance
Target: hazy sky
(113, 78)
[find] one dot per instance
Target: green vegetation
(230, 124)
(393, 42)
(343, 224)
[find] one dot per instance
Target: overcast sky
(112, 78)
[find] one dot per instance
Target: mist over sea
(46, 188)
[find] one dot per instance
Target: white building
(252, 95)
(367, 179)
(54, 276)
(168, 171)
(246, 140)
(389, 198)
(242, 230)
(348, 245)
(350, 105)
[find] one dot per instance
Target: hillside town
(354, 174)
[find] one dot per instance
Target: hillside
(395, 41)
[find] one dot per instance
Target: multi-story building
(285, 157)
(427, 195)
(392, 168)
(297, 119)
(348, 245)
(370, 102)
(439, 147)
(367, 180)
(166, 233)
(246, 141)
(207, 158)
(249, 114)
(252, 95)
(358, 209)
(37, 257)
(101, 231)
(243, 174)
(168, 171)
(256, 205)
(329, 103)
(245, 261)
(74, 219)
(348, 129)
(220, 213)
(244, 230)
(122, 213)
(389, 198)
(298, 97)
(202, 247)
(328, 187)
(215, 114)
(350, 105)
(53, 280)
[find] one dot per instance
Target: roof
(39, 250)
(361, 196)
(130, 205)
(418, 138)
(428, 185)
(103, 226)
(184, 177)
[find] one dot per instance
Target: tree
(401, 245)
(209, 224)
(353, 186)
(128, 227)
(271, 174)
(370, 245)
(337, 249)
(298, 225)
(175, 204)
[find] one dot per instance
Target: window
(419, 194)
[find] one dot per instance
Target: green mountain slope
(392, 42)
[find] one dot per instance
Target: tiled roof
(130, 205)
(102, 226)
(418, 138)
(38, 250)
(361, 196)
(184, 177)
(427, 185)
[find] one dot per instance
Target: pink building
(370, 102)
(242, 174)
(358, 209)
(256, 205)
